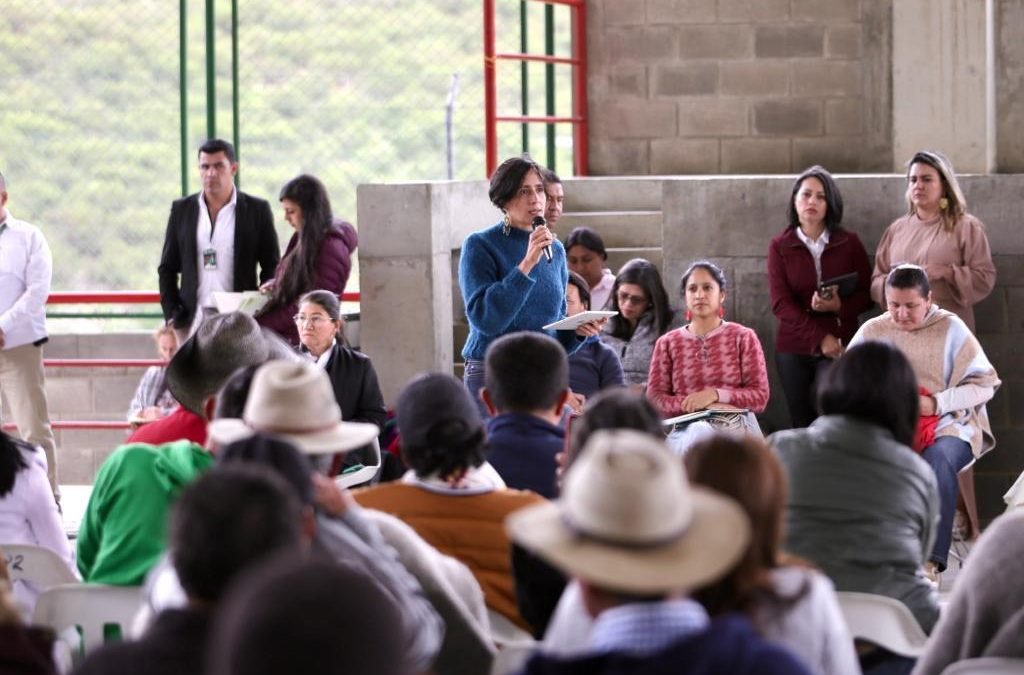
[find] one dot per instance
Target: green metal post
(211, 74)
(183, 91)
(234, 89)
(524, 80)
(549, 81)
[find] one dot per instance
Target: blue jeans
(473, 379)
(947, 456)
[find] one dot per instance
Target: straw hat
(629, 521)
(294, 401)
(221, 345)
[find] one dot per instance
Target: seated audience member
(644, 315)
(224, 522)
(25, 650)
(152, 399)
(640, 540)
(595, 365)
(790, 604)
(586, 255)
(526, 385)
(862, 506)
(552, 607)
(222, 344)
(28, 513)
(709, 362)
(352, 375)
(314, 617)
(293, 401)
(319, 255)
(955, 380)
(451, 496)
(985, 614)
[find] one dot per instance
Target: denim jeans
(947, 456)
(473, 379)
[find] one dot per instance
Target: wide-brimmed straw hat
(294, 401)
(222, 344)
(629, 521)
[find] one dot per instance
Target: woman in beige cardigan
(939, 235)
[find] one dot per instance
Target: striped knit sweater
(729, 359)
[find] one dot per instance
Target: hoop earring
(721, 312)
(689, 316)
(506, 224)
(943, 203)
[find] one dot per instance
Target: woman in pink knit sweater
(709, 363)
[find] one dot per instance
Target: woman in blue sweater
(506, 282)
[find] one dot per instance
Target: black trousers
(799, 374)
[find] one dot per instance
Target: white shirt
(221, 239)
(26, 268)
(815, 247)
(601, 290)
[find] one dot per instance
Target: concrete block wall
(739, 86)
(409, 325)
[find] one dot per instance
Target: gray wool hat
(430, 399)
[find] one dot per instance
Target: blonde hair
(956, 206)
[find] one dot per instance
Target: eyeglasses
(627, 299)
(314, 320)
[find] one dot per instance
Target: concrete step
(618, 229)
(613, 194)
(617, 257)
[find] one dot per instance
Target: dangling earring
(943, 203)
(689, 316)
(721, 312)
(506, 224)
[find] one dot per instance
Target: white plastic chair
(37, 565)
(987, 666)
(883, 621)
(88, 607)
(362, 475)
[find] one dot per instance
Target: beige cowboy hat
(221, 345)
(629, 521)
(294, 401)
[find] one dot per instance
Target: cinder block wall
(739, 86)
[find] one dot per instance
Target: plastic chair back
(883, 621)
(37, 565)
(986, 666)
(90, 608)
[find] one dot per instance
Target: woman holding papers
(513, 274)
(818, 276)
(319, 255)
(710, 363)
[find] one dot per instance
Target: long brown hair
(745, 469)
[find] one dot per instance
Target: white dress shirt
(816, 247)
(26, 267)
(221, 239)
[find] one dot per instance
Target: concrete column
(943, 88)
(1009, 63)
(407, 234)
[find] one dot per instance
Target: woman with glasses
(643, 316)
(318, 324)
(319, 254)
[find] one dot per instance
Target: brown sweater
(469, 528)
(958, 261)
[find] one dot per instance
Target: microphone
(537, 222)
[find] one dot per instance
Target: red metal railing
(578, 62)
(109, 298)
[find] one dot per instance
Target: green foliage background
(351, 91)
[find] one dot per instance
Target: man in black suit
(214, 241)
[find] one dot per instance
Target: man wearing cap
(637, 537)
(214, 241)
(295, 402)
(25, 270)
(122, 531)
